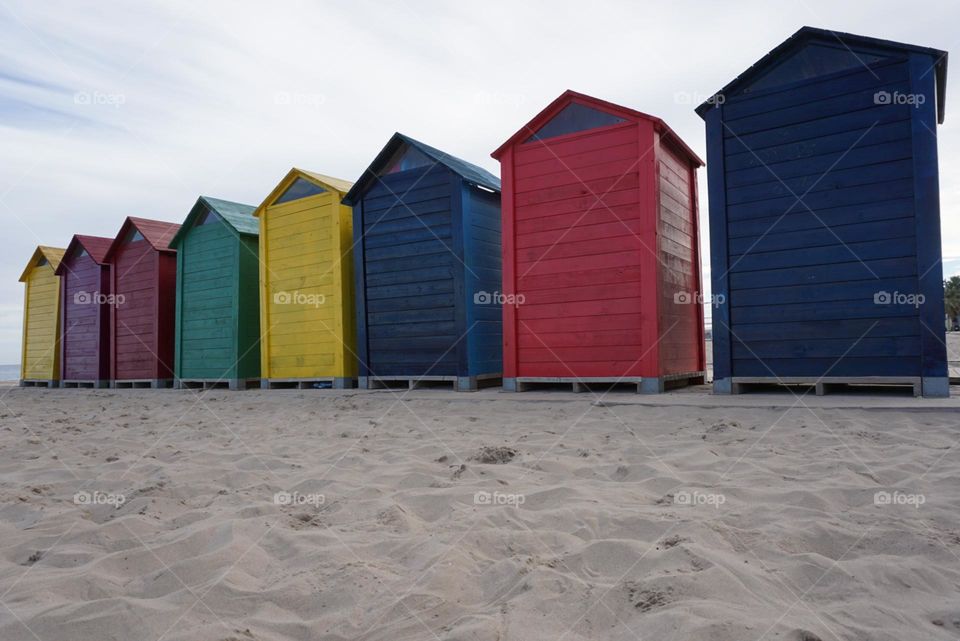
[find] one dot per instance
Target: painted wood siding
(413, 314)
(40, 358)
(85, 353)
(208, 303)
(136, 340)
(681, 315)
(483, 275)
(306, 298)
(578, 221)
(802, 276)
(248, 308)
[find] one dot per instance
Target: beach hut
(824, 216)
(85, 312)
(143, 276)
(427, 262)
(40, 356)
(306, 284)
(600, 250)
(218, 296)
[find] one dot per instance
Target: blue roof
(468, 171)
(237, 215)
(805, 34)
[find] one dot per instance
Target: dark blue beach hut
(825, 216)
(427, 263)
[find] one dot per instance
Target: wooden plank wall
(409, 274)
(41, 325)
(134, 327)
(208, 305)
(81, 315)
(680, 313)
(300, 253)
(802, 282)
(577, 223)
(483, 274)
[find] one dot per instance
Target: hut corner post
(716, 190)
(933, 366)
(650, 286)
(509, 271)
(360, 297)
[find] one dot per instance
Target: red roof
(158, 233)
(569, 96)
(96, 246)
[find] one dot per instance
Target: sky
(110, 109)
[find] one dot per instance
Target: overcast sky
(136, 108)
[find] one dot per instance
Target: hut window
(404, 159)
(206, 218)
(83, 252)
(300, 188)
(812, 61)
(573, 118)
(42, 261)
(133, 236)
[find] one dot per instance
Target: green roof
(237, 215)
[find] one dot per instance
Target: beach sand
(177, 515)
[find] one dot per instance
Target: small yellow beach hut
(306, 284)
(40, 357)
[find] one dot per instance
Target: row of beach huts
(580, 265)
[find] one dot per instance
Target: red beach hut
(601, 265)
(143, 281)
(85, 313)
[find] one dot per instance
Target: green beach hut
(218, 297)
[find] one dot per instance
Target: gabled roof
(327, 182)
(468, 171)
(53, 255)
(848, 40)
(156, 232)
(570, 96)
(96, 246)
(238, 216)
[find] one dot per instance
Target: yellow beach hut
(40, 357)
(306, 284)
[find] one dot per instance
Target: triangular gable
(299, 188)
(328, 183)
(569, 97)
(813, 52)
(573, 118)
(156, 232)
(95, 246)
(42, 255)
(809, 61)
(404, 159)
(401, 144)
(237, 216)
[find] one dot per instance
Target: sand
(155, 515)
